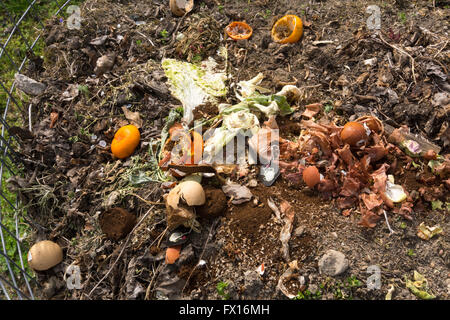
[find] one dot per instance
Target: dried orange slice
(288, 29)
(238, 30)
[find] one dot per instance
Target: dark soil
(116, 223)
(70, 176)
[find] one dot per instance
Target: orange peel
(238, 30)
(288, 29)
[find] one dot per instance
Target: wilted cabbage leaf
(194, 85)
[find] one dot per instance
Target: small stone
(313, 288)
(272, 45)
(28, 85)
(252, 183)
(333, 263)
(299, 231)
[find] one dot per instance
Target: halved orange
(288, 29)
(239, 30)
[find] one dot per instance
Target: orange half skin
(238, 25)
(125, 141)
(294, 23)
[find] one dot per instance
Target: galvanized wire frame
(9, 282)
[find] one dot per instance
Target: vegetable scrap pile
(123, 160)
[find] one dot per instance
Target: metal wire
(15, 283)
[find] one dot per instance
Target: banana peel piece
(419, 286)
(426, 233)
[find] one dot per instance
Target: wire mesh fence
(21, 27)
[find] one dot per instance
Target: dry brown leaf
(133, 117)
(53, 118)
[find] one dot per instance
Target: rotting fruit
(311, 176)
(125, 141)
(288, 29)
(238, 30)
(354, 134)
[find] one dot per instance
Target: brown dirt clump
(215, 205)
(116, 223)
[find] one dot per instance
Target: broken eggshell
(179, 204)
(190, 191)
(181, 7)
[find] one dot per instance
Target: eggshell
(44, 255)
(180, 7)
(311, 176)
(192, 192)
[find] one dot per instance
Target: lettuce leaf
(194, 84)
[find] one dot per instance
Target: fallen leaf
(285, 234)
(238, 193)
(133, 117)
(53, 118)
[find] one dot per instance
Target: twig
(143, 35)
(403, 52)
(146, 201)
(29, 118)
(201, 255)
(440, 50)
(148, 291)
(121, 252)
